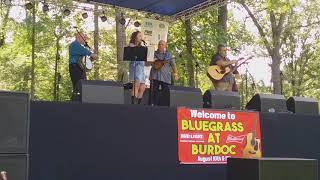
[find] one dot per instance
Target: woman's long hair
(133, 38)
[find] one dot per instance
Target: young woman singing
(136, 70)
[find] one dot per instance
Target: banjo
(85, 63)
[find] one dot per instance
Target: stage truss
(186, 14)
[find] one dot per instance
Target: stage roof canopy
(172, 8)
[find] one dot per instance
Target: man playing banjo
(77, 50)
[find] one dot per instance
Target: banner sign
(208, 136)
(153, 31)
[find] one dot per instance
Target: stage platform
(70, 141)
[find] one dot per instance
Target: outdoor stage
(121, 142)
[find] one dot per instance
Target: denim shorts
(136, 71)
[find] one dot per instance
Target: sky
(258, 67)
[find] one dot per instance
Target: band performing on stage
(221, 71)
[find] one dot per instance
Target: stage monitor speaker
(176, 96)
(267, 103)
(14, 122)
(13, 167)
(272, 169)
(107, 92)
(302, 105)
(221, 100)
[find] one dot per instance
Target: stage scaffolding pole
(33, 51)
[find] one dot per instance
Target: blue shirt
(163, 74)
(76, 50)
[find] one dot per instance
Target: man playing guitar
(220, 59)
(76, 51)
(160, 74)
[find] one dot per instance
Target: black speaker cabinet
(13, 167)
(302, 105)
(267, 103)
(176, 96)
(108, 92)
(272, 169)
(221, 100)
(14, 122)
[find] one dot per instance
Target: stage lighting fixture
(85, 15)
(66, 12)
(122, 20)
(103, 18)
(45, 7)
(29, 5)
(137, 24)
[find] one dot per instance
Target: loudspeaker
(267, 103)
(108, 92)
(302, 105)
(272, 169)
(176, 96)
(14, 122)
(221, 100)
(13, 167)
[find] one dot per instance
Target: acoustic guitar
(217, 72)
(252, 148)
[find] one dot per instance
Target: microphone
(144, 42)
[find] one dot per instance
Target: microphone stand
(281, 82)
(246, 81)
(134, 78)
(197, 72)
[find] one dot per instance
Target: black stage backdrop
(121, 142)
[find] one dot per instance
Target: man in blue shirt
(161, 78)
(76, 51)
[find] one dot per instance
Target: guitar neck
(236, 67)
(254, 128)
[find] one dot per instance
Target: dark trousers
(158, 92)
(76, 74)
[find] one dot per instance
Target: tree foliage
(289, 34)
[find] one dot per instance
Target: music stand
(134, 54)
